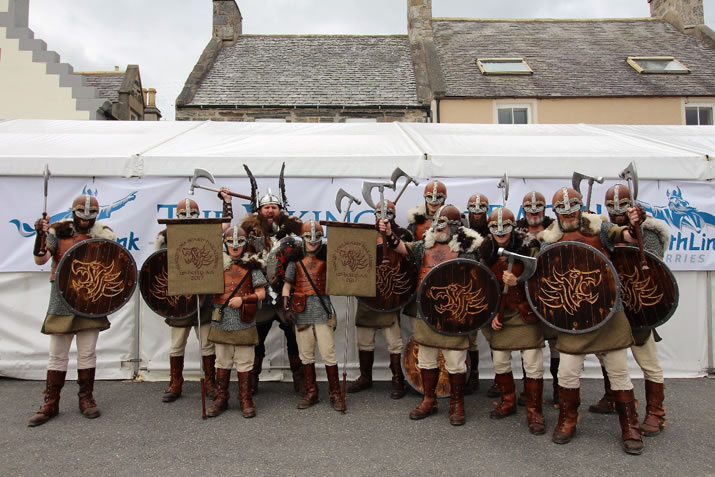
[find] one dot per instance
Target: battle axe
(504, 186)
(203, 173)
(367, 188)
(631, 175)
(41, 240)
(396, 174)
(576, 183)
(529, 264)
(342, 193)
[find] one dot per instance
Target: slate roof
(311, 70)
(107, 84)
(570, 58)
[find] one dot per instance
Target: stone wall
(300, 115)
(687, 13)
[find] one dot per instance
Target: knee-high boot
(472, 384)
(87, 405)
(399, 387)
(176, 380)
(507, 388)
(364, 381)
(220, 402)
(51, 406)
(569, 401)
(209, 363)
(311, 388)
(456, 398)
(334, 386)
(628, 418)
(534, 412)
(245, 397)
(428, 405)
(296, 368)
(654, 421)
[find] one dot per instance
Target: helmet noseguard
(187, 209)
(478, 204)
(311, 231)
(85, 207)
(501, 221)
(270, 198)
(533, 202)
(235, 237)
(435, 193)
(567, 201)
(389, 210)
(618, 199)
(447, 215)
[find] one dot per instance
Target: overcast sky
(166, 37)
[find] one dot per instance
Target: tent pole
(711, 325)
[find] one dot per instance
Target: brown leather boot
(628, 418)
(493, 390)
(296, 368)
(87, 405)
(456, 398)
(534, 412)
(472, 384)
(311, 388)
(399, 387)
(334, 386)
(507, 406)
(245, 398)
(257, 367)
(176, 369)
(569, 401)
(364, 381)
(51, 407)
(428, 405)
(209, 363)
(654, 421)
(607, 404)
(220, 402)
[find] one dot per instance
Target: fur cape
(282, 226)
(160, 241)
(65, 229)
(590, 225)
(418, 215)
(521, 242)
(249, 261)
(465, 240)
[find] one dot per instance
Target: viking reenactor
(420, 218)
(517, 328)
(233, 326)
(656, 238)
(367, 323)
(180, 329)
(446, 239)
(271, 222)
(61, 323)
(609, 342)
(306, 304)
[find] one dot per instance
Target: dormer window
(657, 64)
(503, 66)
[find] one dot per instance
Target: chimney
(227, 20)
(151, 97)
(425, 63)
(683, 14)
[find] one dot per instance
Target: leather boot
(220, 402)
(209, 363)
(311, 388)
(569, 401)
(399, 387)
(628, 418)
(534, 412)
(296, 368)
(654, 421)
(255, 373)
(87, 405)
(245, 398)
(456, 398)
(521, 399)
(51, 407)
(493, 390)
(334, 386)
(606, 404)
(554, 368)
(364, 381)
(472, 384)
(507, 406)
(428, 405)
(176, 367)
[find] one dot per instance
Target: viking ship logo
(638, 291)
(570, 289)
(390, 281)
(96, 279)
(198, 257)
(457, 301)
(159, 287)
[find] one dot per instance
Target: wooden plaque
(351, 259)
(195, 257)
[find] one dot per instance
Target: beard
(570, 224)
(442, 236)
(534, 219)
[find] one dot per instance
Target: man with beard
(272, 223)
(60, 322)
(656, 238)
(420, 218)
(518, 329)
(367, 323)
(609, 342)
(446, 239)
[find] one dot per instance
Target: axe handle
(502, 304)
(385, 250)
(232, 194)
(639, 237)
(404, 187)
(240, 196)
(41, 247)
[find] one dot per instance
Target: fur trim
(283, 226)
(522, 223)
(418, 215)
(160, 241)
(428, 238)
(249, 261)
(660, 228)
(590, 225)
(521, 242)
(465, 240)
(65, 229)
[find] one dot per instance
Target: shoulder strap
(315, 289)
(235, 290)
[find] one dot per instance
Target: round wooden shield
(396, 282)
(413, 375)
(154, 283)
(574, 289)
(458, 297)
(649, 297)
(96, 277)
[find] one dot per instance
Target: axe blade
(504, 186)
(529, 263)
(367, 188)
(342, 193)
(630, 174)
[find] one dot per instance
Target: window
(503, 66)
(656, 64)
(699, 115)
(513, 115)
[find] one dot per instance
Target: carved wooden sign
(396, 282)
(154, 287)
(351, 259)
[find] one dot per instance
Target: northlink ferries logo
(679, 213)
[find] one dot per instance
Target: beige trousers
(242, 356)
(320, 334)
(533, 360)
(179, 337)
(455, 360)
(86, 350)
(393, 337)
(614, 361)
(647, 358)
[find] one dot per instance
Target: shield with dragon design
(96, 277)
(649, 297)
(154, 284)
(396, 282)
(413, 375)
(458, 297)
(575, 287)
